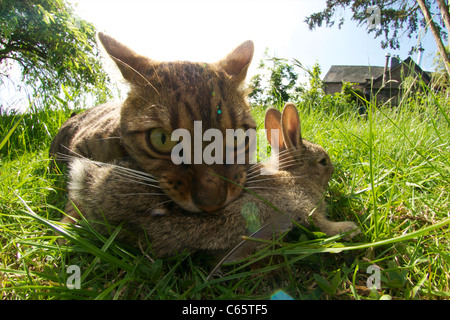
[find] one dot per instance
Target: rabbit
(119, 193)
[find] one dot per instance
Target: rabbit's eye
(323, 162)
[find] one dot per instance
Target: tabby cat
(165, 96)
(292, 194)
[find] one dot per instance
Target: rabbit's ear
(290, 125)
(272, 123)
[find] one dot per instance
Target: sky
(206, 30)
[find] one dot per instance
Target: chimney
(421, 50)
(388, 55)
(386, 66)
(395, 61)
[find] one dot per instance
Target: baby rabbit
(114, 194)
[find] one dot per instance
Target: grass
(391, 177)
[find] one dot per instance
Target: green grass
(391, 177)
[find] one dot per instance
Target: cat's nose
(209, 193)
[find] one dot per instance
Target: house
(384, 82)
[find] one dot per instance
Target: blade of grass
(77, 240)
(10, 132)
(337, 248)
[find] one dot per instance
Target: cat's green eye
(160, 142)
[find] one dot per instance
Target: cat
(119, 193)
(163, 97)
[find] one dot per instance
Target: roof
(355, 74)
(359, 74)
(412, 66)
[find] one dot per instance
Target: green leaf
(417, 287)
(250, 213)
(155, 270)
(336, 281)
(324, 284)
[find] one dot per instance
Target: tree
(396, 18)
(276, 85)
(55, 50)
(314, 93)
(435, 30)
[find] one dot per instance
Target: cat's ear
(236, 63)
(272, 123)
(290, 124)
(131, 64)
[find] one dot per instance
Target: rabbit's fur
(112, 194)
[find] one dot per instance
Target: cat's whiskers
(285, 155)
(286, 162)
(67, 157)
(108, 138)
(124, 178)
(275, 178)
(259, 164)
(281, 166)
(253, 188)
(121, 171)
(141, 194)
(257, 170)
(287, 151)
(292, 152)
(124, 172)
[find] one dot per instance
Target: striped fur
(293, 194)
(168, 95)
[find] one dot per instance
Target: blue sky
(205, 30)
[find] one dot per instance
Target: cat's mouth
(191, 206)
(206, 192)
(210, 208)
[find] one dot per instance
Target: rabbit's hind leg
(71, 214)
(332, 228)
